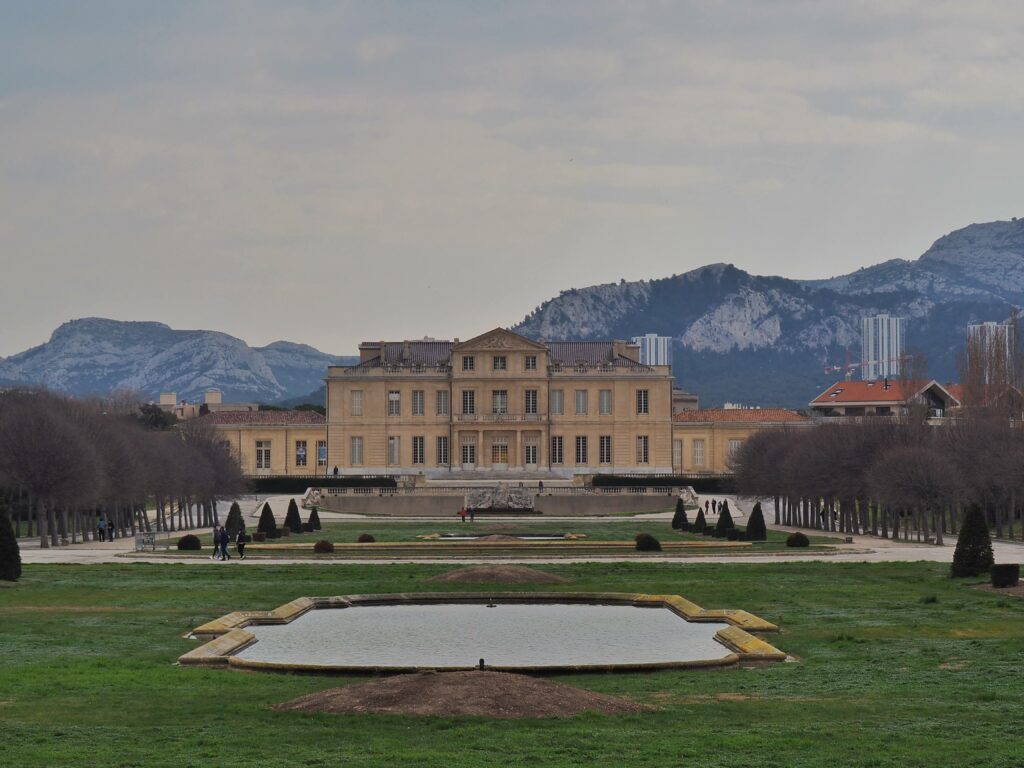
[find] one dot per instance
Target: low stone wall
(449, 506)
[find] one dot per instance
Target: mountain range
(736, 336)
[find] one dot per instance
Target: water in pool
(458, 635)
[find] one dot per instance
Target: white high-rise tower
(882, 343)
(654, 349)
(995, 347)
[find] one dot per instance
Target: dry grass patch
(499, 574)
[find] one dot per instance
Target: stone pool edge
(226, 636)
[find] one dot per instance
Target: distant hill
(766, 340)
(95, 356)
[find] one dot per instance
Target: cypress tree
(700, 523)
(756, 529)
(234, 521)
(292, 521)
(679, 521)
(267, 523)
(973, 554)
(724, 521)
(314, 519)
(10, 555)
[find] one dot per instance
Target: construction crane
(848, 369)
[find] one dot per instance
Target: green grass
(900, 666)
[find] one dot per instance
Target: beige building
(499, 402)
(703, 441)
(274, 442)
(213, 402)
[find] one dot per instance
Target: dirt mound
(461, 694)
(500, 574)
(1017, 591)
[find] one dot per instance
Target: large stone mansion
(495, 403)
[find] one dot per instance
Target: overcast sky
(330, 172)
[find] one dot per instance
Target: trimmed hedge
(259, 536)
(10, 554)
(285, 485)
(189, 542)
(725, 523)
(365, 538)
(700, 523)
(733, 534)
(647, 543)
(267, 523)
(797, 539)
(314, 519)
(307, 528)
(1005, 575)
(234, 520)
(292, 521)
(973, 554)
(323, 547)
(756, 529)
(679, 519)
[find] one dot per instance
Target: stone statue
(500, 497)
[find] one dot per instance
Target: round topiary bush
(189, 541)
(366, 538)
(797, 539)
(323, 547)
(647, 543)
(1005, 575)
(973, 554)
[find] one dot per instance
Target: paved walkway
(869, 549)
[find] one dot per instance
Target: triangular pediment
(499, 338)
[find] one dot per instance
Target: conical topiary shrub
(756, 529)
(314, 520)
(292, 521)
(679, 521)
(10, 555)
(267, 523)
(700, 523)
(725, 522)
(973, 554)
(234, 521)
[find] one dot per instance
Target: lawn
(899, 666)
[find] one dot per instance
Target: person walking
(101, 529)
(472, 514)
(216, 544)
(225, 544)
(240, 543)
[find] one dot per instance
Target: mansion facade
(499, 402)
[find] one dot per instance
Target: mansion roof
(882, 392)
(264, 418)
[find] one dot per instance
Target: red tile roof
(893, 391)
(264, 418)
(738, 416)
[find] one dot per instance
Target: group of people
(222, 543)
(467, 511)
(711, 506)
(104, 530)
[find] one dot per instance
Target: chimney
(368, 350)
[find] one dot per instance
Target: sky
(333, 172)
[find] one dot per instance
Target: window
(605, 449)
(698, 453)
(643, 449)
(530, 401)
(581, 401)
(224, 445)
(557, 449)
(394, 448)
(357, 402)
(499, 363)
(469, 454)
(321, 453)
(643, 404)
(300, 453)
(499, 453)
(417, 402)
(605, 402)
(581, 449)
(442, 451)
(530, 454)
(442, 402)
(418, 451)
(499, 401)
(394, 403)
(531, 363)
(262, 454)
(734, 447)
(468, 362)
(356, 453)
(469, 401)
(557, 401)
